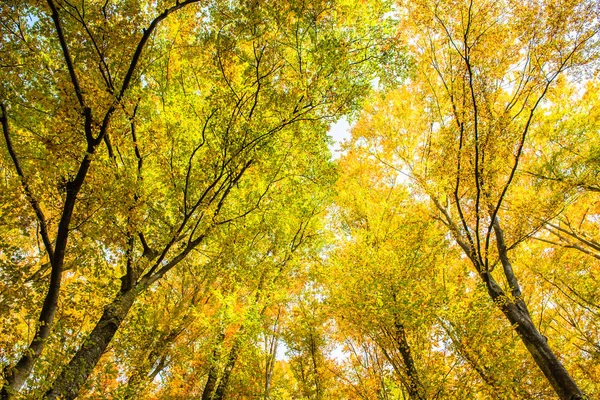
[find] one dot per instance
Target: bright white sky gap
(339, 132)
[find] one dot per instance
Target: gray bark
(76, 373)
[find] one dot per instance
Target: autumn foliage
(174, 225)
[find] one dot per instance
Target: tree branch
(65, 49)
(30, 197)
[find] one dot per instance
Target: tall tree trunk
(270, 363)
(76, 373)
(538, 347)
(16, 375)
(213, 373)
(211, 383)
(515, 309)
(517, 314)
(313, 356)
(407, 371)
(224, 382)
(414, 386)
(212, 390)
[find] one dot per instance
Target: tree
(170, 226)
(131, 118)
(485, 71)
(390, 259)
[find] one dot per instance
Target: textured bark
(224, 382)
(517, 313)
(76, 373)
(515, 309)
(544, 357)
(211, 383)
(212, 390)
(16, 375)
(213, 373)
(413, 385)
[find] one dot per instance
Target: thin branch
(512, 280)
(32, 200)
(144, 39)
(513, 171)
(65, 49)
(554, 228)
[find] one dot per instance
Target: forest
(179, 220)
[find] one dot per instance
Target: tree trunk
(16, 375)
(313, 356)
(213, 373)
(224, 382)
(515, 310)
(76, 373)
(211, 382)
(414, 386)
(270, 365)
(544, 357)
(517, 314)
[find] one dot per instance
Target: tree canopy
(173, 223)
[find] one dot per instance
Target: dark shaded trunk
(76, 373)
(407, 371)
(516, 311)
(211, 383)
(517, 314)
(413, 384)
(544, 357)
(224, 382)
(215, 388)
(213, 373)
(16, 375)
(514, 308)
(313, 357)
